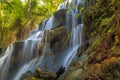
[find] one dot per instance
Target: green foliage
(51, 6)
(15, 14)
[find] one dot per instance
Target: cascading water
(28, 54)
(75, 42)
(5, 62)
(39, 35)
(62, 5)
(30, 50)
(76, 35)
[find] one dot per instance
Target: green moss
(95, 43)
(67, 39)
(105, 25)
(93, 33)
(74, 75)
(33, 78)
(110, 29)
(117, 40)
(27, 75)
(60, 38)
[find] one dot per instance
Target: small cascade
(72, 24)
(31, 48)
(25, 68)
(75, 43)
(42, 25)
(29, 51)
(49, 23)
(5, 62)
(76, 36)
(69, 4)
(71, 17)
(72, 13)
(37, 35)
(27, 54)
(65, 58)
(62, 5)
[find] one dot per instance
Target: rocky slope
(100, 57)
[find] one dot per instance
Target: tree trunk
(29, 7)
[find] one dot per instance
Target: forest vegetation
(19, 17)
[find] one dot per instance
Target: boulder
(57, 39)
(45, 74)
(26, 75)
(59, 18)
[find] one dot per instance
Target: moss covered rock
(39, 74)
(102, 42)
(59, 18)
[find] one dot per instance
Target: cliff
(99, 57)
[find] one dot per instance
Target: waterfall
(76, 36)
(62, 5)
(25, 68)
(27, 53)
(5, 62)
(77, 29)
(75, 43)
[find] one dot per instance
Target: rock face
(102, 43)
(0, 51)
(41, 74)
(45, 74)
(60, 18)
(15, 58)
(56, 38)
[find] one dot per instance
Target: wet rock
(39, 74)
(45, 74)
(26, 76)
(61, 40)
(15, 58)
(73, 73)
(0, 51)
(42, 74)
(60, 71)
(80, 51)
(57, 39)
(42, 24)
(59, 18)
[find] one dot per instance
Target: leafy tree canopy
(14, 13)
